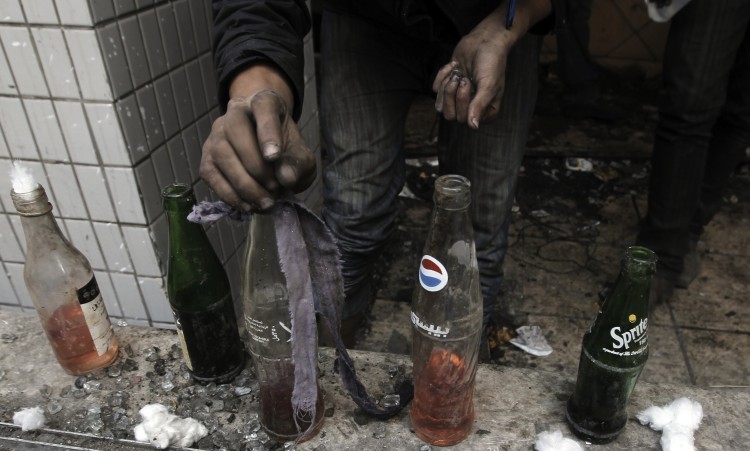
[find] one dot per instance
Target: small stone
(242, 391)
(114, 371)
(80, 380)
(54, 407)
(45, 391)
(379, 431)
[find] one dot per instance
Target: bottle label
(183, 343)
(630, 340)
(96, 316)
(432, 274)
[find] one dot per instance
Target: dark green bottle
(200, 295)
(613, 353)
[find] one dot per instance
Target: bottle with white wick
(62, 285)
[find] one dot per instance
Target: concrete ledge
(513, 405)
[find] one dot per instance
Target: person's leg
(701, 49)
(729, 140)
(577, 71)
(491, 158)
(366, 91)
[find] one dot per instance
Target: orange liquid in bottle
(443, 409)
(70, 337)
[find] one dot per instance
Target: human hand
(470, 87)
(255, 150)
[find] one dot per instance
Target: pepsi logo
(432, 274)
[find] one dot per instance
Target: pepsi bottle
(613, 353)
(446, 320)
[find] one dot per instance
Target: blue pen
(510, 13)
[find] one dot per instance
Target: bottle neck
(39, 225)
(178, 201)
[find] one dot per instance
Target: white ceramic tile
(108, 294)
(8, 297)
(15, 223)
(16, 129)
(10, 246)
(7, 85)
(74, 12)
(155, 297)
(3, 148)
(23, 61)
(142, 251)
(87, 60)
(107, 134)
(64, 184)
(124, 190)
(56, 63)
(113, 247)
(40, 11)
(81, 234)
(94, 187)
(15, 275)
(129, 296)
(11, 12)
(75, 129)
(49, 139)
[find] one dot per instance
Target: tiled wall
(106, 102)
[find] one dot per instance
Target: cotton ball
(162, 429)
(687, 413)
(29, 419)
(656, 417)
(554, 441)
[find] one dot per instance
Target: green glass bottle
(613, 353)
(200, 295)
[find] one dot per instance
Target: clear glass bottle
(267, 320)
(613, 353)
(446, 320)
(200, 295)
(64, 290)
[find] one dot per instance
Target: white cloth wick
(554, 441)
(30, 419)
(677, 421)
(162, 429)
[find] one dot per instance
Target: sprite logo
(635, 335)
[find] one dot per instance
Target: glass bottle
(613, 353)
(267, 320)
(63, 289)
(200, 295)
(446, 320)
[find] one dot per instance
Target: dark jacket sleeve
(246, 32)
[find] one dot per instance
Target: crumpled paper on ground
(531, 339)
(554, 441)
(677, 421)
(162, 429)
(30, 419)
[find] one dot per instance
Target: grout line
(683, 346)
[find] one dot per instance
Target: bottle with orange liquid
(446, 320)
(62, 285)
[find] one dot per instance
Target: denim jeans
(704, 124)
(370, 75)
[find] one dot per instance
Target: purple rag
(311, 263)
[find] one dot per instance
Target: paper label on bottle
(629, 340)
(183, 343)
(432, 274)
(95, 313)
